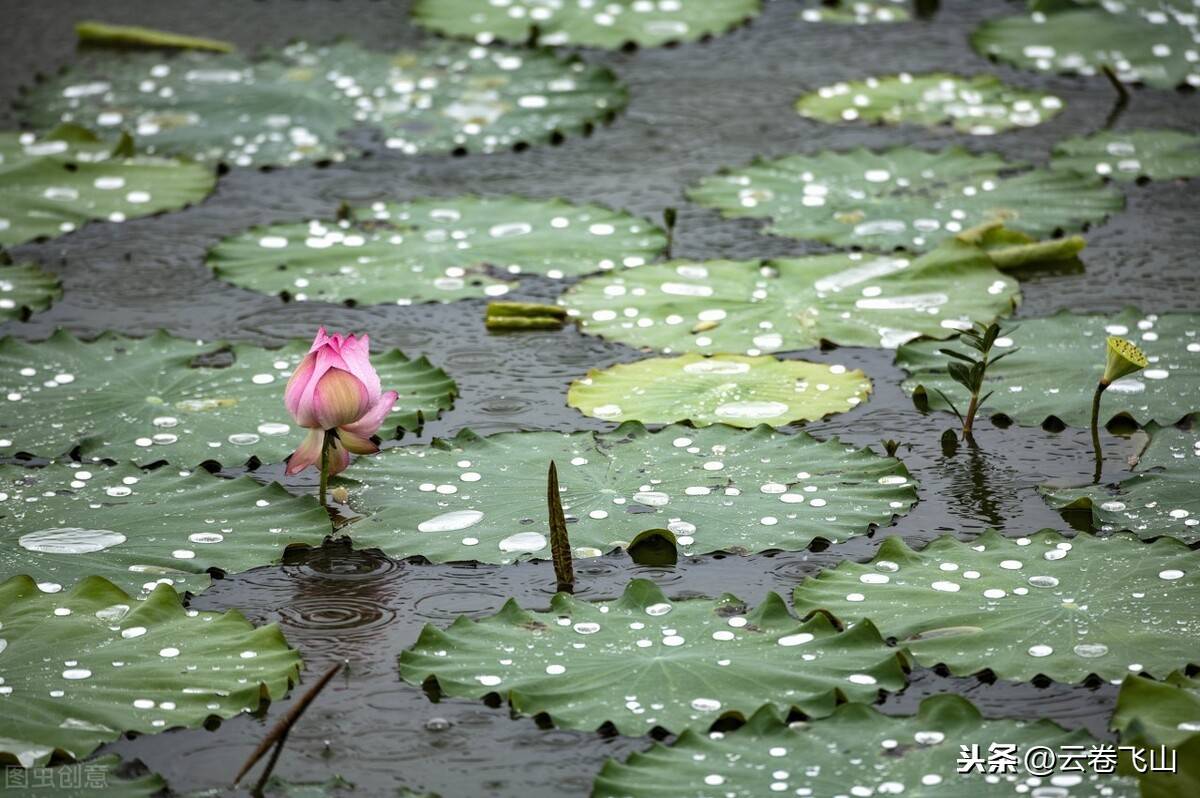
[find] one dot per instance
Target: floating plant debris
(138, 529)
(1043, 604)
(25, 289)
(612, 24)
(643, 661)
(715, 488)
(982, 105)
(291, 106)
(1161, 498)
(84, 665)
(757, 307)
(58, 183)
(1142, 41)
(722, 389)
(876, 754)
(145, 400)
(101, 33)
(434, 250)
(904, 198)
(1129, 155)
(1061, 358)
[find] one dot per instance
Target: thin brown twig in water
(280, 730)
(1122, 96)
(261, 785)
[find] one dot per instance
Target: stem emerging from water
(326, 445)
(1096, 430)
(969, 419)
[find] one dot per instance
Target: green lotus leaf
(904, 198)
(58, 183)
(433, 250)
(25, 289)
(291, 106)
(164, 398)
(1062, 358)
(982, 105)
(1146, 42)
(857, 12)
(1183, 781)
(1162, 498)
(849, 299)
(612, 24)
(855, 751)
(333, 786)
(642, 661)
(61, 523)
(715, 488)
(83, 666)
(102, 777)
(1128, 155)
(722, 389)
(1165, 713)
(1042, 604)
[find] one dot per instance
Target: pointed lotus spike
(1124, 358)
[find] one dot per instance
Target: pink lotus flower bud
(336, 389)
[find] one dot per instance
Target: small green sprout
(1122, 358)
(970, 372)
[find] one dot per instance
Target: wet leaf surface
(1129, 155)
(715, 488)
(25, 288)
(644, 661)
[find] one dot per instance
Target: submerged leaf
(585, 23)
(1019, 608)
(643, 661)
(83, 666)
(722, 389)
(433, 250)
(904, 198)
(61, 523)
(1060, 360)
(856, 751)
(850, 299)
(156, 398)
(58, 183)
(982, 105)
(291, 106)
(714, 488)
(102, 777)
(1128, 155)
(1162, 498)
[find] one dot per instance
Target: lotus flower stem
(1096, 430)
(325, 447)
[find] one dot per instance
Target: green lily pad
(1185, 780)
(722, 389)
(58, 183)
(81, 667)
(858, 12)
(904, 198)
(26, 289)
(291, 106)
(102, 777)
(856, 751)
(714, 488)
(982, 105)
(612, 24)
(850, 299)
(1147, 41)
(642, 661)
(1128, 155)
(149, 399)
(434, 250)
(62, 523)
(1037, 605)
(1165, 713)
(1061, 360)
(1163, 498)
